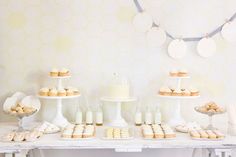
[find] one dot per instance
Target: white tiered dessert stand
(118, 120)
(177, 118)
(59, 119)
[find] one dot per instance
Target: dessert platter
(186, 128)
(19, 105)
(156, 131)
(206, 135)
(22, 136)
(112, 133)
(210, 109)
(59, 94)
(78, 132)
(179, 93)
(47, 128)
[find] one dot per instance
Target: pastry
(188, 127)
(44, 91)
(183, 73)
(194, 92)
(169, 133)
(173, 73)
(158, 132)
(185, 92)
(61, 92)
(32, 136)
(165, 91)
(124, 133)
(177, 92)
(19, 136)
(109, 133)
(88, 131)
(64, 72)
(69, 92)
(76, 91)
(67, 133)
(8, 137)
(218, 134)
(210, 107)
(21, 109)
(54, 72)
(203, 134)
(147, 131)
(194, 134)
(78, 133)
(211, 134)
(52, 92)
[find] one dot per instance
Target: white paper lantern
(206, 47)
(156, 37)
(229, 31)
(142, 22)
(177, 49)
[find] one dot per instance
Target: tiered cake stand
(118, 120)
(59, 119)
(177, 118)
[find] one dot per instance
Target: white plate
(229, 32)
(58, 97)
(60, 77)
(207, 139)
(77, 139)
(119, 139)
(156, 37)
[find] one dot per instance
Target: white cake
(119, 91)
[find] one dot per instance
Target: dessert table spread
(54, 141)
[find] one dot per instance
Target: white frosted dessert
(119, 91)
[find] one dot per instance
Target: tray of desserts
(210, 108)
(185, 128)
(47, 128)
(157, 132)
(51, 93)
(25, 136)
(78, 132)
(182, 73)
(62, 73)
(180, 93)
(209, 135)
(111, 133)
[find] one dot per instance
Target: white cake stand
(177, 118)
(59, 119)
(118, 120)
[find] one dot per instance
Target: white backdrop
(96, 38)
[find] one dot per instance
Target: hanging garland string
(210, 34)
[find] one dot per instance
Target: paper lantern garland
(156, 36)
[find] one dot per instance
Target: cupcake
(76, 91)
(177, 92)
(52, 92)
(69, 92)
(185, 92)
(54, 72)
(183, 73)
(194, 92)
(61, 92)
(173, 73)
(44, 91)
(165, 91)
(64, 72)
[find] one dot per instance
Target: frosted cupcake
(183, 73)
(69, 92)
(44, 91)
(173, 73)
(177, 92)
(185, 92)
(52, 92)
(194, 92)
(61, 92)
(165, 91)
(54, 72)
(64, 72)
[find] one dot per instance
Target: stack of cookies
(117, 133)
(206, 134)
(157, 131)
(72, 131)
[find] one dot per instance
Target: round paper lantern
(206, 47)
(229, 31)
(177, 49)
(156, 37)
(142, 22)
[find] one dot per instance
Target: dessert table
(53, 141)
